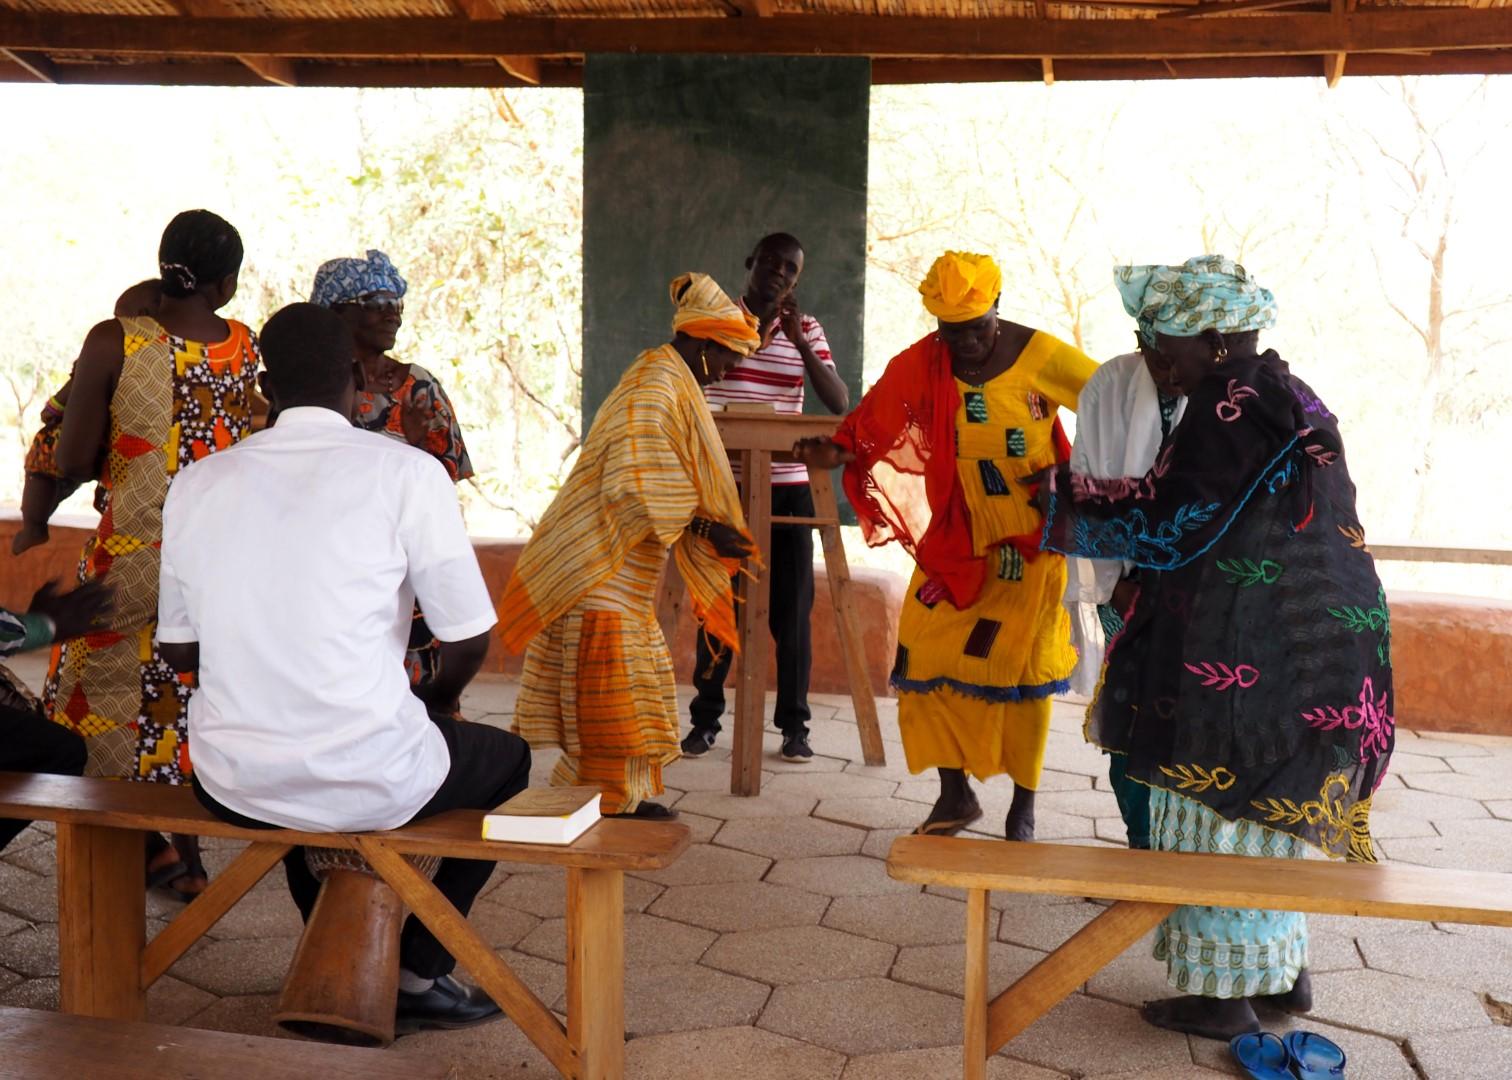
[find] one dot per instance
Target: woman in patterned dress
(158, 393)
(936, 452)
(399, 399)
(1251, 686)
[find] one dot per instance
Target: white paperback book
(549, 815)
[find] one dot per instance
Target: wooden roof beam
(525, 68)
(1047, 65)
(1378, 30)
(276, 70)
(1333, 63)
(36, 64)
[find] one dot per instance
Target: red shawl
(903, 484)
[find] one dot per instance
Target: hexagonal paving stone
(832, 786)
(1463, 785)
(1370, 1056)
(844, 741)
(500, 925)
(1048, 825)
(1044, 926)
(703, 864)
(1123, 1043)
(687, 997)
(745, 1052)
(9, 923)
(496, 1051)
(1478, 963)
(903, 918)
(32, 994)
(1467, 1055)
(943, 967)
(172, 1001)
(864, 1016)
(1332, 952)
(250, 1014)
(1394, 1005)
(879, 841)
(261, 913)
(227, 968)
(32, 952)
(8, 979)
(545, 895)
(31, 896)
(1191, 1072)
(1132, 978)
(790, 838)
(648, 940)
(935, 1063)
(40, 857)
(705, 773)
(727, 807)
(1408, 764)
(872, 813)
(839, 875)
(753, 905)
(701, 829)
(1093, 804)
(1436, 745)
(802, 954)
(1385, 825)
(1427, 804)
(1455, 851)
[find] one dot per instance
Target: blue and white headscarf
(1208, 292)
(341, 280)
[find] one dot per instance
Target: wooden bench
(1146, 886)
(44, 1046)
(106, 964)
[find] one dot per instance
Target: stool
(343, 985)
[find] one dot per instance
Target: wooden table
(756, 437)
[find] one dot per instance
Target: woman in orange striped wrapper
(652, 474)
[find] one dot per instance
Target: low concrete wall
(1450, 654)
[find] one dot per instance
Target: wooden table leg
(596, 971)
(669, 601)
(977, 911)
(102, 921)
(847, 623)
(750, 681)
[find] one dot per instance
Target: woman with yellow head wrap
(652, 474)
(935, 454)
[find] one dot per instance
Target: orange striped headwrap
(705, 312)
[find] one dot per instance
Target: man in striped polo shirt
(793, 349)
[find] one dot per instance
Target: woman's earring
(1221, 355)
(703, 359)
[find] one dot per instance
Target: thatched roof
(530, 42)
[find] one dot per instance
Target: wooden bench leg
(977, 923)
(102, 921)
(596, 971)
(755, 638)
(1083, 955)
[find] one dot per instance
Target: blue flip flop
(1314, 1057)
(1261, 1055)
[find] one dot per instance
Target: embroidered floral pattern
(1221, 677)
(1247, 572)
(1379, 726)
(1356, 537)
(1230, 410)
(1196, 778)
(1375, 620)
(1132, 537)
(1342, 825)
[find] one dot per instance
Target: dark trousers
(31, 743)
(488, 766)
(791, 569)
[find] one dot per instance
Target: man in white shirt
(793, 349)
(1124, 413)
(290, 567)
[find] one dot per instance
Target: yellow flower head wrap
(961, 286)
(704, 311)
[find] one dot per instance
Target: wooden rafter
(35, 63)
(1047, 65)
(1385, 30)
(525, 68)
(277, 70)
(1333, 63)
(1233, 7)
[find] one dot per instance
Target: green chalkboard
(688, 160)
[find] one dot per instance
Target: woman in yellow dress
(935, 455)
(652, 474)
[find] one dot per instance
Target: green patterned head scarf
(1208, 292)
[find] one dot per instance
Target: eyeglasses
(383, 304)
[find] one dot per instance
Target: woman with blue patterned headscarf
(1251, 687)
(396, 398)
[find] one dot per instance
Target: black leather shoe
(699, 741)
(447, 1005)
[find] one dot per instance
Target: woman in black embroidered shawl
(1251, 689)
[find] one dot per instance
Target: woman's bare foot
(1299, 999)
(956, 807)
(1019, 824)
(1207, 1018)
(195, 880)
(28, 536)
